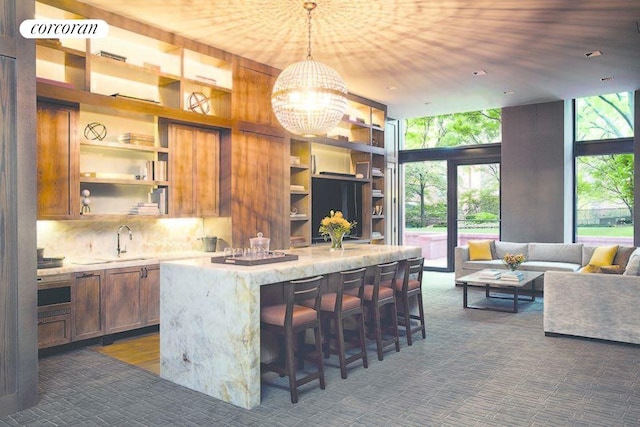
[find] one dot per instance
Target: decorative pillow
(623, 255)
(480, 250)
(612, 269)
(589, 268)
(503, 248)
(603, 255)
(633, 266)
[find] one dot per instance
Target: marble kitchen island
(210, 315)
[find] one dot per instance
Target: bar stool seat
(411, 288)
(289, 321)
(377, 295)
(337, 306)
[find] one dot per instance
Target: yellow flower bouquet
(335, 226)
(513, 261)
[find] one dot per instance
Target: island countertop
(210, 314)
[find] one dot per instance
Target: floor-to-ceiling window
(604, 169)
(450, 182)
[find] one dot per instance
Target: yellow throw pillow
(589, 268)
(603, 255)
(479, 250)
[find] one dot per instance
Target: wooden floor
(142, 351)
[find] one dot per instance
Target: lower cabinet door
(150, 289)
(122, 298)
(87, 314)
(54, 330)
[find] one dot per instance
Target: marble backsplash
(98, 238)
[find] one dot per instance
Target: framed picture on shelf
(362, 170)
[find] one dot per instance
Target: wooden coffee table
(510, 287)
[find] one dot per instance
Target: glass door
(426, 210)
(477, 202)
(446, 204)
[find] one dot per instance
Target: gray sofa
(567, 257)
(538, 257)
(602, 306)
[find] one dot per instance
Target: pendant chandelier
(309, 98)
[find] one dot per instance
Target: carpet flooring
(475, 368)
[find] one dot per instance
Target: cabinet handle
(88, 274)
(143, 272)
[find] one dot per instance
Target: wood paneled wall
(260, 160)
(18, 333)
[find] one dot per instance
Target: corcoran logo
(64, 28)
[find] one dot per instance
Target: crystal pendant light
(309, 98)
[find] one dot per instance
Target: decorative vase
(513, 267)
(336, 241)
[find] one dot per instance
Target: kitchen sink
(92, 261)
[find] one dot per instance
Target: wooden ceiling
(419, 57)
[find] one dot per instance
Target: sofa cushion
(633, 266)
(623, 255)
(612, 269)
(503, 248)
(603, 255)
(549, 266)
(590, 268)
(559, 252)
(480, 250)
(480, 265)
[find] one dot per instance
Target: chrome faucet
(122, 251)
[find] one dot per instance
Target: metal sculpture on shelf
(86, 201)
(199, 103)
(95, 131)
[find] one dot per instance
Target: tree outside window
(604, 183)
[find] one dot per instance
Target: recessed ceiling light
(480, 73)
(508, 92)
(606, 79)
(593, 54)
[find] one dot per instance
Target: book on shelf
(157, 170)
(294, 187)
(490, 274)
(514, 276)
(145, 209)
(159, 196)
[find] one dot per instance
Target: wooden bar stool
(379, 294)
(290, 320)
(411, 287)
(337, 306)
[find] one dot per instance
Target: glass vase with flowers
(335, 227)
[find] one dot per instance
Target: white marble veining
(210, 329)
(82, 243)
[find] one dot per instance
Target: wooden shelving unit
(127, 83)
(358, 140)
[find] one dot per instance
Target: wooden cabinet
(131, 298)
(86, 305)
(122, 304)
(194, 170)
(54, 310)
(150, 295)
(57, 162)
(122, 87)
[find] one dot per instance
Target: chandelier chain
(309, 9)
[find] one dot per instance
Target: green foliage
(450, 130)
(604, 117)
(606, 178)
(426, 182)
